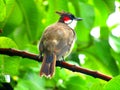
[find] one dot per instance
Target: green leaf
(6, 8)
(89, 16)
(83, 27)
(20, 37)
(31, 17)
(92, 62)
(27, 63)
(8, 65)
(13, 21)
(76, 6)
(103, 8)
(56, 5)
(7, 43)
(116, 56)
(75, 83)
(30, 81)
(74, 56)
(104, 32)
(31, 48)
(15, 17)
(113, 84)
(114, 43)
(9, 7)
(110, 5)
(102, 51)
(2, 13)
(97, 86)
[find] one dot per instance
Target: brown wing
(57, 38)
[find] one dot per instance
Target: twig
(13, 52)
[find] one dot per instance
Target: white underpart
(71, 23)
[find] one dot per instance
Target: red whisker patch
(66, 18)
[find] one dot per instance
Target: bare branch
(13, 52)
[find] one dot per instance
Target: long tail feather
(48, 65)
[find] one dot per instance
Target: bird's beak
(78, 19)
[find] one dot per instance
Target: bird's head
(68, 19)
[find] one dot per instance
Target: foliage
(22, 23)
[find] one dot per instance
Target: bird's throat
(72, 24)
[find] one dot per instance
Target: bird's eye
(72, 16)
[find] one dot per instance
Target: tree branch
(13, 52)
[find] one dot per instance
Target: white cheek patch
(68, 21)
(71, 23)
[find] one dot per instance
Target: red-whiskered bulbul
(57, 41)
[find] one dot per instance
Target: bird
(57, 41)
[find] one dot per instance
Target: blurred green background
(97, 47)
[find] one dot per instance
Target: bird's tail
(48, 65)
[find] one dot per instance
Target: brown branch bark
(13, 52)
